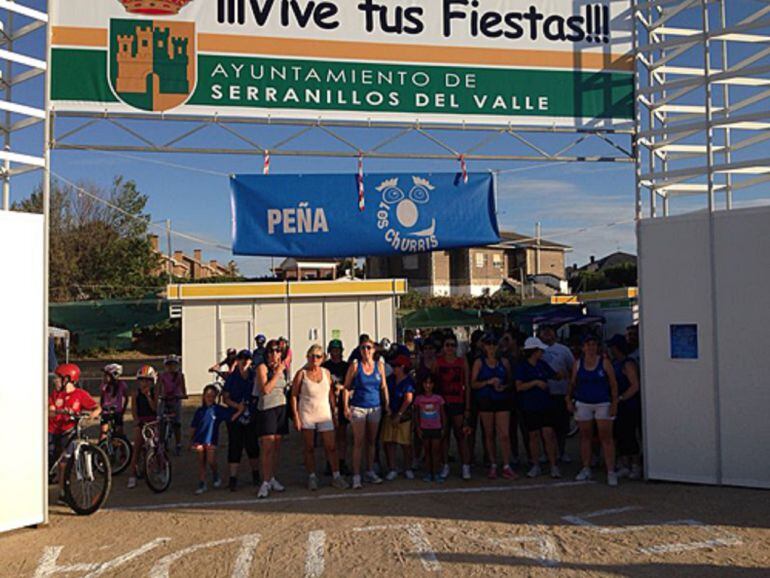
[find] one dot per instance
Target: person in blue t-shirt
(397, 426)
(242, 429)
(204, 434)
(537, 407)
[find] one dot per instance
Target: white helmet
(171, 359)
(114, 369)
(147, 372)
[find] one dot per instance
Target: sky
(589, 206)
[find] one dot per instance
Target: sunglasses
(315, 356)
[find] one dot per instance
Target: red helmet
(69, 371)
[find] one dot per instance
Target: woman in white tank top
(313, 409)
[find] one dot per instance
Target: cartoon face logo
(407, 205)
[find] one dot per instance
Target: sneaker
(392, 475)
(264, 491)
(372, 478)
(217, 482)
(584, 475)
(466, 472)
(409, 474)
(565, 458)
(534, 471)
(131, 483)
(178, 450)
(492, 473)
(636, 473)
(357, 483)
(201, 488)
(623, 472)
(428, 478)
(233, 483)
(312, 483)
(612, 479)
(444, 471)
(555, 472)
(509, 474)
(276, 486)
(340, 483)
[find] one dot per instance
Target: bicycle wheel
(87, 479)
(157, 470)
(119, 453)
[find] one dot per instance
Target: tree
(98, 249)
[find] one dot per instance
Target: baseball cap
(534, 343)
(244, 354)
(335, 344)
(231, 351)
(401, 361)
(488, 337)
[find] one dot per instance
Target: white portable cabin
(216, 317)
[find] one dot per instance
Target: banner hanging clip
(266, 165)
(463, 168)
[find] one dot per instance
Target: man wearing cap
(338, 368)
(258, 355)
(397, 425)
(241, 429)
(560, 359)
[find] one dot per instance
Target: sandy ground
(534, 527)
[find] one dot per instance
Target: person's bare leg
(330, 449)
(488, 427)
(502, 422)
(359, 440)
(201, 451)
(586, 435)
(608, 443)
(212, 462)
(266, 456)
(551, 445)
(461, 439)
(371, 438)
(390, 454)
(308, 447)
(276, 455)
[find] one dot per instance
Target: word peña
(302, 219)
(591, 24)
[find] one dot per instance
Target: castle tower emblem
(152, 62)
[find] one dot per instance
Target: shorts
(174, 407)
(537, 420)
(431, 434)
(241, 437)
(592, 411)
(55, 445)
(273, 422)
(319, 426)
(396, 432)
(367, 414)
(489, 405)
(454, 409)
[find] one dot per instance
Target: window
(481, 260)
(497, 261)
(411, 262)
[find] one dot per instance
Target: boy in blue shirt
(397, 425)
(205, 436)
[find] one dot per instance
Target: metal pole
(8, 98)
(637, 149)
(726, 107)
(538, 233)
(170, 266)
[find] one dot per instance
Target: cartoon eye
(393, 195)
(419, 195)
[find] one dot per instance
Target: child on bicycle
(114, 398)
(173, 390)
(144, 409)
(204, 435)
(66, 401)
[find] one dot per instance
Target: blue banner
(318, 215)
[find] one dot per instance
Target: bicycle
(157, 460)
(116, 445)
(87, 474)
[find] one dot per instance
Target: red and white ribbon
(266, 166)
(464, 168)
(361, 199)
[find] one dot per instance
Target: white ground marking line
(582, 520)
(314, 562)
(419, 540)
(48, 564)
(348, 495)
(723, 540)
(547, 556)
(242, 566)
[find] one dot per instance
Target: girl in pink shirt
(172, 390)
(430, 418)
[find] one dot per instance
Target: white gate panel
(23, 389)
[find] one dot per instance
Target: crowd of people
(413, 406)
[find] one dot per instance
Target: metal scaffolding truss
(19, 21)
(250, 136)
(702, 114)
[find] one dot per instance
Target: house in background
(617, 259)
(292, 269)
(476, 271)
(183, 266)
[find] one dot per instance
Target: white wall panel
(199, 344)
(23, 389)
